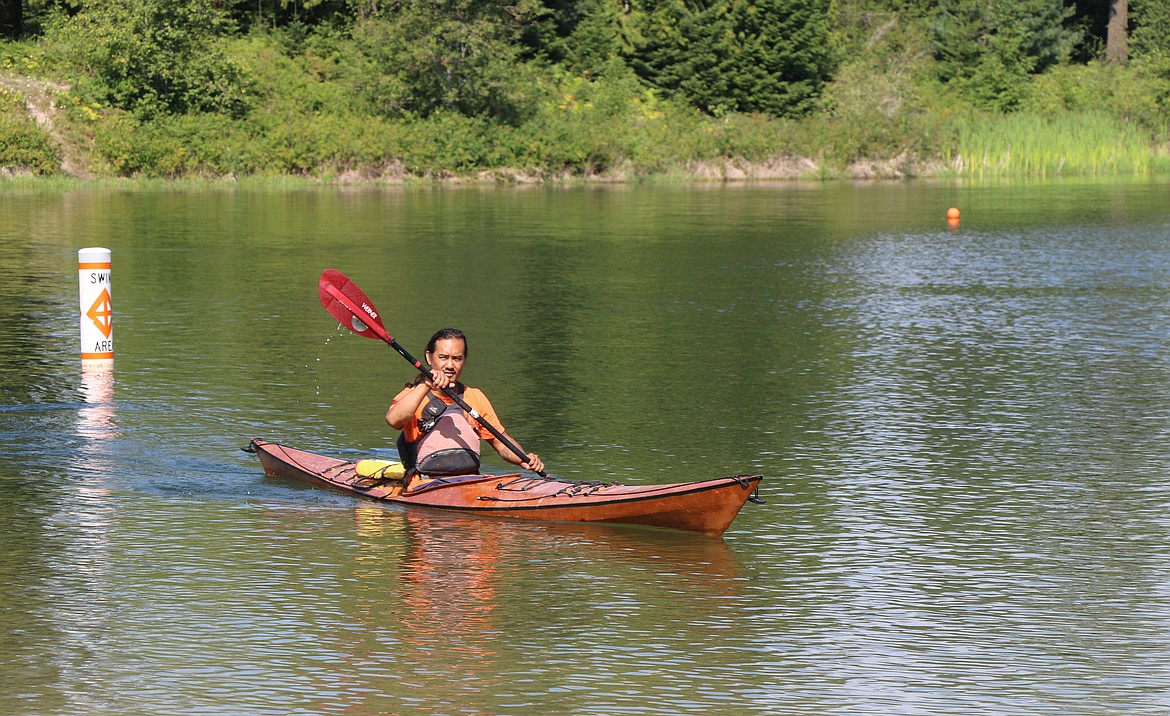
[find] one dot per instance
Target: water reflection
(97, 418)
(467, 601)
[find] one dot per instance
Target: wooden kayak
(706, 506)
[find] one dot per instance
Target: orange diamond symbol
(102, 314)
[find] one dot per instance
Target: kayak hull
(706, 506)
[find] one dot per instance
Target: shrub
(1139, 92)
(23, 146)
(155, 57)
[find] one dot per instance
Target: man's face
(448, 358)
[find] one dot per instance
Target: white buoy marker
(97, 312)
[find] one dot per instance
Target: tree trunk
(11, 18)
(1117, 36)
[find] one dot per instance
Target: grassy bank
(303, 124)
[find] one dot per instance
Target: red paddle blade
(352, 309)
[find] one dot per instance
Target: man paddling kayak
(438, 437)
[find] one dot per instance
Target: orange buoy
(952, 213)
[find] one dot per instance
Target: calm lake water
(965, 433)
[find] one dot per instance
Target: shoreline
(14, 182)
(76, 164)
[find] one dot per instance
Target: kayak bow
(706, 506)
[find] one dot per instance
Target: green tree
(778, 55)
(585, 35)
(462, 56)
(1151, 34)
(155, 57)
(680, 54)
(989, 48)
(607, 31)
(769, 56)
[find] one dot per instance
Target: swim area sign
(97, 313)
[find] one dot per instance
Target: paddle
(352, 309)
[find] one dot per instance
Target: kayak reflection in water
(438, 437)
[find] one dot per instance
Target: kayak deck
(707, 506)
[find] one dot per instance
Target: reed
(1026, 144)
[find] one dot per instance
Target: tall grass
(1069, 144)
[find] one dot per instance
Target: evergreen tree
(769, 56)
(1151, 34)
(586, 35)
(990, 47)
(680, 53)
(778, 55)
